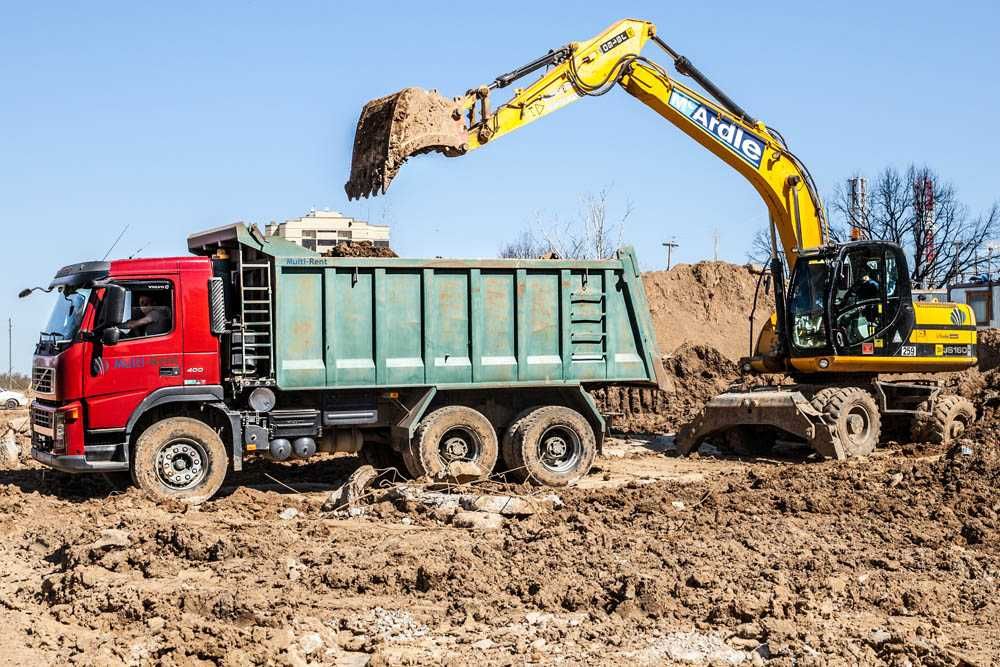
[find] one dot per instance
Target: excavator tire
(857, 421)
(950, 417)
(454, 435)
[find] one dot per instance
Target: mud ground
(653, 559)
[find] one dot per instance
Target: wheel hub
(456, 448)
(556, 447)
(180, 465)
(855, 424)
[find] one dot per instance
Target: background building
(318, 230)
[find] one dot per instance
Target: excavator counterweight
(395, 127)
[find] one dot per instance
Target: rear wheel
(12, 404)
(856, 418)
(950, 418)
(552, 446)
(179, 458)
(454, 434)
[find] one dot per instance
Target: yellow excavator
(843, 319)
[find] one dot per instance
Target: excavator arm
(415, 121)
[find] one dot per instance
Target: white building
(318, 230)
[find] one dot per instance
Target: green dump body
(349, 322)
(374, 322)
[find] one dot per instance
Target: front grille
(41, 418)
(42, 379)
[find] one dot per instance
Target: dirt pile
(708, 303)
(988, 349)
(358, 249)
(860, 563)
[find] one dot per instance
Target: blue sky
(173, 117)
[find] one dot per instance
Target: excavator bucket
(392, 128)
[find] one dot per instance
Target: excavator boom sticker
(748, 146)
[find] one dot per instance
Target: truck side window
(149, 308)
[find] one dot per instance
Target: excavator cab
(852, 300)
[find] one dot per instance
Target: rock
(462, 472)
(310, 643)
(477, 520)
(895, 479)
(876, 637)
(677, 504)
(355, 643)
(112, 538)
(483, 644)
(406, 521)
(353, 491)
(156, 624)
(288, 514)
(510, 505)
(538, 644)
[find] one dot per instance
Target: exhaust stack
(394, 128)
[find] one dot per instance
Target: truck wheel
(179, 458)
(857, 421)
(552, 446)
(507, 456)
(950, 417)
(381, 457)
(452, 434)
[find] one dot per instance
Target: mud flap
(397, 126)
(788, 411)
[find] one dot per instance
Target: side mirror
(111, 335)
(112, 308)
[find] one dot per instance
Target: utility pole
(715, 243)
(669, 245)
(10, 352)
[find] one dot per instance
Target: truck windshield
(67, 314)
(808, 304)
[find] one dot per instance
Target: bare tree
(922, 213)
(594, 233)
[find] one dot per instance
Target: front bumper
(75, 463)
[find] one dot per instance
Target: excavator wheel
(857, 421)
(950, 417)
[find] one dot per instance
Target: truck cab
(122, 337)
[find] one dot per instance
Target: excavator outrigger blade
(392, 128)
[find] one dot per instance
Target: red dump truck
(177, 369)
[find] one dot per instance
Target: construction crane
(844, 316)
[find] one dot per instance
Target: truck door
(147, 357)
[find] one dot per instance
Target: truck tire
(507, 456)
(552, 446)
(950, 417)
(179, 458)
(381, 457)
(857, 421)
(452, 434)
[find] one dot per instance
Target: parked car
(11, 400)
